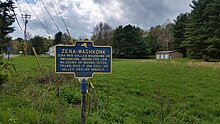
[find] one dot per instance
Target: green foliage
(161, 38)
(38, 43)
(66, 39)
(58, 37)
(6, 70)
(202, 26)
(137, 92)
(6, 20)
(213, 49)
(71, 95)
(129, 43)
(179, 32)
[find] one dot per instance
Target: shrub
(6, 70)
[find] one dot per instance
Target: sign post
(8, 51)
(83, 60)
(83, 87)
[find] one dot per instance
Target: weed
(164, 105)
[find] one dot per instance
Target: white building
(168, 55)
(52, 50)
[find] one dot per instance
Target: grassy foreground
(176, 91)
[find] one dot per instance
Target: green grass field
(176, 91)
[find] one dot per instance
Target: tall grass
(175, 91)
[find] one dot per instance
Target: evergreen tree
(6, 20)
(128, 42)
(212, 29)
(179, 31)
(118, 40)
(202, 31)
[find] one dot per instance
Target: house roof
(160, 52)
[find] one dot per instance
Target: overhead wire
(37, 17)
(49, 15)
(17, 20)
(44, 17)
(62, 17)
(19, 6)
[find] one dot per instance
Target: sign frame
(74, 73)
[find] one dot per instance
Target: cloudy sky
(82, 15)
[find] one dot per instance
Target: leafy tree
(161, 38)
(58, 38)
(149, 43)
(102, 34)
(19, 39)
(66, 39)
(6, 20)
(154, 34)
(166, 37)
(38, 43)
(63, 38)
(15, 45)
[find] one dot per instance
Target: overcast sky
(82, 15)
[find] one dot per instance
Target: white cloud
(81, 15)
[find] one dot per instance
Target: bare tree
(102, 34)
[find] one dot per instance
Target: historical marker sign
(83, 59)
(8, 48)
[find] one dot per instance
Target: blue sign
(9, 48)
(83, 59)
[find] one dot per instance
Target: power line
(49, 15)
(44, 17)
(17, 21)
(19, 6)
(62, 17)
(20, 10)
(37, 17)
(16, 18)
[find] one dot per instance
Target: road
(10, 56)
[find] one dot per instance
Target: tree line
(198, 32)
(133, 42)
(195, 34)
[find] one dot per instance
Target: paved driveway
(10, 56)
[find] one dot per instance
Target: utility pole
(26, 17)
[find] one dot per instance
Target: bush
(6, 70)
(71, 95)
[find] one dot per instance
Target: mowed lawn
(175, 91)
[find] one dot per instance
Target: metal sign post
(83, 87)
(8, 52)
(83, 60)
